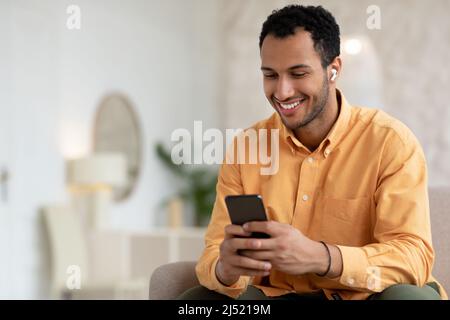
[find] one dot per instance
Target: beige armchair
(170, 280)
(93, 258)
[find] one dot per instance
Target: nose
(284, 89)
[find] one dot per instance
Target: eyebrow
(297, 66)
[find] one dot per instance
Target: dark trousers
(395, 292)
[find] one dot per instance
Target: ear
(334, 69)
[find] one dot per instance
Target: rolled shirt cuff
(357, 273)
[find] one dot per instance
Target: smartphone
(246, 208)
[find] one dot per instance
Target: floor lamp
(91, 181)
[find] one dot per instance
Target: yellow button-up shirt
(363, 189)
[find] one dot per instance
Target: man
(348, 207)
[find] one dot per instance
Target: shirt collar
(334, 136)
(340, 127)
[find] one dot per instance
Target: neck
(313, 134)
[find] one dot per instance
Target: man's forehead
(295, 50)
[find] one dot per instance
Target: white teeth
(290, 106)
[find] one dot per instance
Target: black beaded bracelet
(329, 261)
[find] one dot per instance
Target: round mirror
(117, 129)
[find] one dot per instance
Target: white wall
(35, 162)
(5, 105)
(147, 50)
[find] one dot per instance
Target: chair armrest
(170, 280)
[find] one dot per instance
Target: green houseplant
(198, 185)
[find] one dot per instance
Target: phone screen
(246, 208)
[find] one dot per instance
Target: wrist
(337, 263)
(324, 259)
(224, 280)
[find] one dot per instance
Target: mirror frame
(133, 170)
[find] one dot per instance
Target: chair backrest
(69, 256)
(440, 227)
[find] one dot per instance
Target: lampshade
(98, 169)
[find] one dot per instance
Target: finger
(265, 255)
(233, 230)
(235, 244)
(269, 227)
(231, 246)
(253, 244)
(242, 262)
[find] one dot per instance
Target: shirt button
(350, 281)
(305, 197)
(310, 160)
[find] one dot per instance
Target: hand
(288, 250)
(232, 265)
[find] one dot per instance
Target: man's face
(295, 83)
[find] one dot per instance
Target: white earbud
(334, 72)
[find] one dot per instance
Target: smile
(287, 108)
(290, 106)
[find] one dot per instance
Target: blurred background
(89, 204)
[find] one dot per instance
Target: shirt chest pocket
(346, 221)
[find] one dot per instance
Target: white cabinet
(138, 254)
(149, 250)
(111, 264)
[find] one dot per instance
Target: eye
(299, 75)
(270, 75)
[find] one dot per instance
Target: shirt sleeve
(229, 183)
(402, 251)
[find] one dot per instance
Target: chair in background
(172, 279)
(95, 258)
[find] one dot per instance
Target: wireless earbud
(334, 72)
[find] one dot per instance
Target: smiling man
(348, 208)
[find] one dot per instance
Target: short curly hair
(316, 20)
